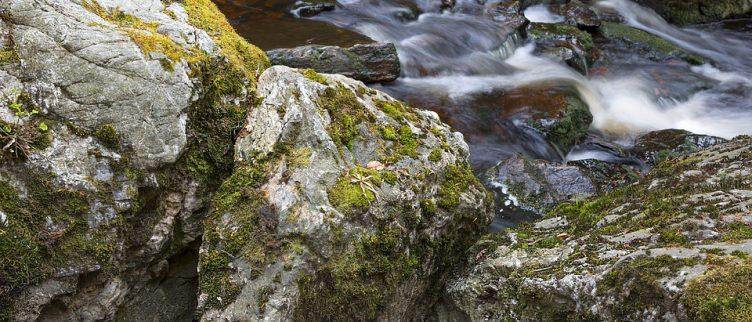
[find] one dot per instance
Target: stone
(306, 230)
(308, 9)
(565, 42)
(657, 146)
(684, 12)
(372, 63)
(632, 254)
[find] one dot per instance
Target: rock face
(117, 125)
(685, 12)
(345, 205)
(675, 246)
(371, 63)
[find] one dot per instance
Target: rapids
(466, 65)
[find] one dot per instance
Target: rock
(654, 250)
(577, 14)
(118, 117)
(305, 230)
(372, 63)
(684, 12)
(308, 9)
(556, 111)
(646, 44)
(538, 185)
(564, 42)
(658, 146)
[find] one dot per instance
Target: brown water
(269, 25)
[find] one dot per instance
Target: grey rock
(371, 63)
(306, 200)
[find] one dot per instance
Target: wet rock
(658, 146)
(646, 44)
(653, 250)
(345, 204)
(507, 12)
(555, 111)
(308, 9)
(369, 63)
(684, 12)
(538, 185)
(577, 14)
(564, 42)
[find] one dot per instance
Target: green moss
(346, 114)
(31, 249)
(555, 31)
(314, 76)
(247, 59)
(8, 56)
(263, 298)
(352, 194)
(723, 294)
(215, 279)
(357, 285)
(737, 231)
(457, 180)
(389, 133)
(673, 237)
(641, 277)
(659, 48)
(408, 142)
(572, 126)
(299, 158)
(108, 136)
(435, 155)
(394, 109)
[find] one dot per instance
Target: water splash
(541, 14)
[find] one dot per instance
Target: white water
(463, 54)
(540, 13)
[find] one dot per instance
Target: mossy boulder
(120, 119)
(646, 44)
(674, 246)
(658, 146)
(345, 205)
(565, 42)
(684, 12)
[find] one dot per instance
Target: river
(475, 70)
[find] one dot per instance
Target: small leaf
(43, 127)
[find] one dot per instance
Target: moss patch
(723, 294)
(346, 114)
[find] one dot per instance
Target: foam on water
(540, 13)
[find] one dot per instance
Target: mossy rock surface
(677, 243)
(366, 228)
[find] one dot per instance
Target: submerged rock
(655, 250)
(307, 9)
(345, 205)
(371, 63)
(556, 111)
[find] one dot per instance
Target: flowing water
(476, 71)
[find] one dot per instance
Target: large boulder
(675, 246)
(344, 205)
(371, 63)
(683, 12)
(117, 121)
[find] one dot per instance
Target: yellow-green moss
(144, 34)
(346, 114)
(395, 109)
(248, 59)
(314, 76)
(8, 56)
(435, 155)
(351, 194)
(457, 180)
(724, 293)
